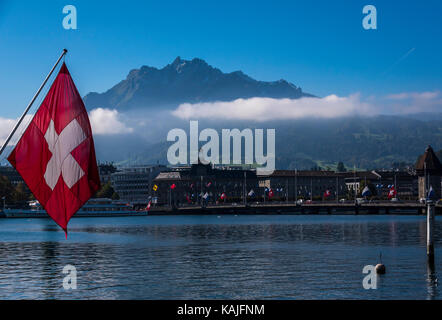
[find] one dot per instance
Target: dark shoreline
(280, 209)
(305, 209)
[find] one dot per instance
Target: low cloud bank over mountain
(332, 106)
(268, 109)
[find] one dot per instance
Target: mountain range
(367, 142)
(186, 81)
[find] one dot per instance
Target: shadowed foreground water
(210, 257)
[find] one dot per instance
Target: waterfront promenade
(400, 208)
(282, 208)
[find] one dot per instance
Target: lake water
(218, 257)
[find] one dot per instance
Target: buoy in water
(380, 268)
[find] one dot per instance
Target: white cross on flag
(56, 154)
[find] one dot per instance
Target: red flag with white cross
(56, 154)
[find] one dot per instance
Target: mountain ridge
(186, 81)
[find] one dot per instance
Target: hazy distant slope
(371, 142)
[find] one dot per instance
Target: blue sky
(318, 45)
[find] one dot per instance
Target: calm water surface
(212, 257)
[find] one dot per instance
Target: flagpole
(31, 103)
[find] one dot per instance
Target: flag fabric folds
(56, 154)
(366, 192)
(431, 193)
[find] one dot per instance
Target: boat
(98, 207)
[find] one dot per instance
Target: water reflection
(431, 281)
(253, 257)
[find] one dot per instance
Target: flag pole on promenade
(31, 103)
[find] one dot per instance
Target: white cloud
(265, 109)
(103, 122)
(6, 126)
(107, 122)
(332, 106)
(414, 102)
(428, 95)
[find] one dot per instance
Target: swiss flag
(56, 154)
(392, 193)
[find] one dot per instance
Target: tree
(6, 188)
(21, 193)
(341, 167)
(106, 191)
(115, 196)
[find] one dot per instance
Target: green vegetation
(6, 189)
(341, 167)
(19, 193)
(107, 191)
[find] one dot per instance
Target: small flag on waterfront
(149, 205)
(392, 193)
(251, 193)
(155, 187)
(173, 186)
(327, 193)
(56, 154)
(366, 192)
(430, 193)
(223, 196)
(209, 184)
(188, 199)
(206, 195)
(271, 193)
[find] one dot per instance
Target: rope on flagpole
(31, 103)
